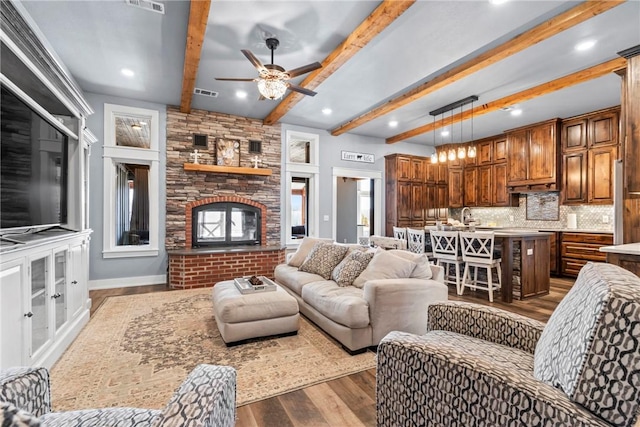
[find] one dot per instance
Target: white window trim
(114, 154)
(377, 201)
(309, 170)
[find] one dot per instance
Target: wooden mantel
(226, 169)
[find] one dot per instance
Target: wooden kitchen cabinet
(406, 197)
(484, 152)
(590, 148)
(500, 193)
(601, 174)
(485, 185)
(574, 177)
(470, 182)
(500, 149)
(576, 249)
(532, 157)
(456, 194)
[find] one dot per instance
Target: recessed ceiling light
(393, 123)
(498, 1)
(585, 45)
(516, 112)
(241, 94)
(127, 72)
(444, 133)
(327, 111)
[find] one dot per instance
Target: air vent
(255, 147)
(205, 92)
(153, 6)
(199, 140)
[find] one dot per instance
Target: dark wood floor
(347, 401)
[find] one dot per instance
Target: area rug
(137, 349)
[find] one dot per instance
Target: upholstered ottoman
(260, 314)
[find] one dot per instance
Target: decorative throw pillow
(323, 258)
(12, 416)
(423, 268)
(303, 250)
(384, 265)
(351, 267)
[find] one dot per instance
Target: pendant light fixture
(434, 155)
(442, 157)
(472, 147)
(461, 152)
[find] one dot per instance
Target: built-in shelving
(226, 169)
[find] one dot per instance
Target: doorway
(357, 205)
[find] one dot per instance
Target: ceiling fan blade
(252, 58)
(233, 80)
(301, 90)
(304, 69)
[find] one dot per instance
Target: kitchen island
(525, 261)
(626, 256)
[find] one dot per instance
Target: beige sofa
(359, 317)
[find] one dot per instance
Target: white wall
(121, 272)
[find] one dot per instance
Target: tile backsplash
(588, 216)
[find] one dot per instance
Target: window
(131, 176)
(301, 186)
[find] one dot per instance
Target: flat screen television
(33, 167)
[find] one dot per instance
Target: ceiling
(96, 39)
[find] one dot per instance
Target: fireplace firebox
(225, 224)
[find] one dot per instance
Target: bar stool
(445, 245)
(477, 252)
(400, 233)
(415, 240)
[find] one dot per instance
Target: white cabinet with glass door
(43, 301)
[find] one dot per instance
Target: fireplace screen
(226, 224)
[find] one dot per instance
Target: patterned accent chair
(481, 366)
(207, 398)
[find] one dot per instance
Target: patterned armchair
(207, 398)
(481, 366)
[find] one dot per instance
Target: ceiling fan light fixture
(270, 87)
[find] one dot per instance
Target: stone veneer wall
(185, 187)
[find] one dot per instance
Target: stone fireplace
(239, 229)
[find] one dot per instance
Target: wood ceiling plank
(549, 28)
(198, 17)
(374, 24)
(525, 95)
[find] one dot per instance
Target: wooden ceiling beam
(525, 95)
(374, 24)
(198, 18)
(543, 31)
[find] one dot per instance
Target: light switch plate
(325, 218)
(605, 219)
(529, 251)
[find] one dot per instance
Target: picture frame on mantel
(543, 206)
(227, 152)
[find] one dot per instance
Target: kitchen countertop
(552, 230)
(627, 249)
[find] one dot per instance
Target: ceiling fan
(273, 80)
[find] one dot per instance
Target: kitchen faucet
(465, 215)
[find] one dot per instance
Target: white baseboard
(125, 282)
